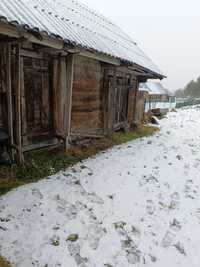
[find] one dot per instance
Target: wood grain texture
(87, 94)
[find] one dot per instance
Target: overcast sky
(167, 30)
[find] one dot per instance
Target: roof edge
(16, 30)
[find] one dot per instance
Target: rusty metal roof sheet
(75, 23)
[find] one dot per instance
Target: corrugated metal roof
(78, 24)
(154, 88)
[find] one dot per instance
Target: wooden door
(37, 99)
(121, 92)
(116, 89)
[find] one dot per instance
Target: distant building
(157, 97)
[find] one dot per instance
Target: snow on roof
(154, 88)
(77, 24)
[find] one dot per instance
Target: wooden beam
(105, 85)
(111, 104)
(9, 96)
(68, 103)
(56, 95)
(63, 95)
(31, 54)
(20, 158)
(100, 57)
(135, 99)
(19, 32)
(23, 111)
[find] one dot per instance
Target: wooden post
(20, 158)
(23, 105)
(105, 86)
(135, 100)
(63, 93)
(111, 104)
(9, 97)
(57, 84)
(132, 103)
(68, 103)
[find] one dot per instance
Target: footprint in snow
(195, 152)
(197, 163)
(95, 233)
(67, 209)
(179, 157)
(36, 193)
(150, 179)
(150, 207)
(198, 214)
(187, 167)
(92, 197)
(130, 239)
(180, 248)
(191, 190)
(171, 233)
(74, 248)
(175, 201)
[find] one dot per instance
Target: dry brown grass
(46, 163)
(4, 263)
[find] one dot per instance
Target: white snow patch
(135, 205)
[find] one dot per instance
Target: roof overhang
(19, 33)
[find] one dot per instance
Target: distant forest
(191, 90)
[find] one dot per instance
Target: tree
(192, 89)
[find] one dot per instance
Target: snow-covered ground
(137, 204)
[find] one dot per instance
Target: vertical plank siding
(3, 86)
(9, 95)
(47, 97)
(37, 119)
(87, 96)
(121, 88)
(67, 97)
(18, 105)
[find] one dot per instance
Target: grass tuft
(4, 263)
(46, 163)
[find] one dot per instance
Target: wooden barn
(65, 72)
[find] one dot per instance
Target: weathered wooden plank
(23, 35)
(9, 96)
(111, 102)
(31, 54)
(20, 158)
(68, 103)
(87, 94)
(63, 93)
(23, 106)
(56, 80)
(135, 100)
(99, 57)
